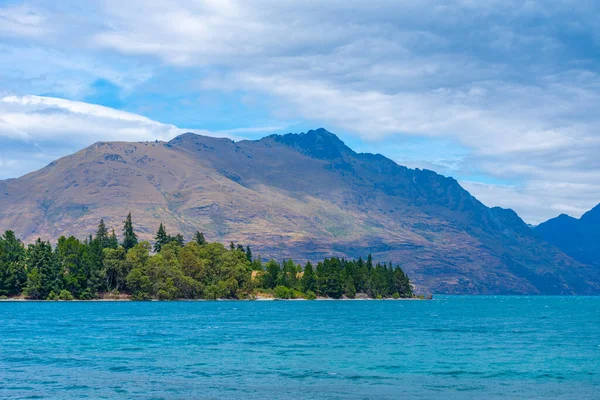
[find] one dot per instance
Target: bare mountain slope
(303, 196)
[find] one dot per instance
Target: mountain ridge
(302, 196)
(579, 238)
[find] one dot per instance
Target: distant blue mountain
(579, 238)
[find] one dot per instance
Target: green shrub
(65, 295)
(87, 295)
(396, 296)
(310, 295)
(52, 296)
(281, 292)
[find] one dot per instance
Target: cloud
(36, 118)
(515, 85)
(21, 20)
(539, 200)
(35, 130)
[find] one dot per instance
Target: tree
(94, 269)
(289, 274)
(308, 281)
(199, 238)
(329, 282)
(402, 284)
(271, 276)
(70, 253)
(34, 288)
(81, 269)
(129, 236)
(161, 238)
(12, 265)
(102, 235)
(349, 288)
(139, 283)
(44, 272)
(177, 239)
(113, 241)
(117, 268)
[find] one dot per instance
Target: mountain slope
(303, 196)
(579, 238)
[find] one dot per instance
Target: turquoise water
(448, 348)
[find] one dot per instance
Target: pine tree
(178, 239)
(161, 238)
(308, 281)
(129, 236)
(113, 242)
(248, 253)
(329, 282)
(271, 275)
(102, 234)
(199, 238)
(288, 276)
(401, 283)
(44, 272)
(12, 266)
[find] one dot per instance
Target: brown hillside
(303, 196)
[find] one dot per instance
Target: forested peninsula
(102, 266)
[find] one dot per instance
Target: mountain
(579, 238)
(304, 196)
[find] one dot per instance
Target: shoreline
(21, 300)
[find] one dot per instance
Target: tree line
(171, 269)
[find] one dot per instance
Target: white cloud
(502, 79)
(35, 130)
(36, 118)
(537, 199)
(21, 20)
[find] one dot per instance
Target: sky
(503, 95)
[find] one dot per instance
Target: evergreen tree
(102, 235)
(129, 236)
(308, 281)
(70, 256)
(349, 288)
(199, 238)
(329, 281)
(113, 241)
(271, 276)
(402, 284)
(43, 271)
(12, 265)
(177, 239)
(94, 270)
(256, 263)
(179, 270)
(161, 238)
(288, 276)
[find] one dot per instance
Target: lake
(452, 347)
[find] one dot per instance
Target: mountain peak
(194, 138)
(593, 215)
(318, 143)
